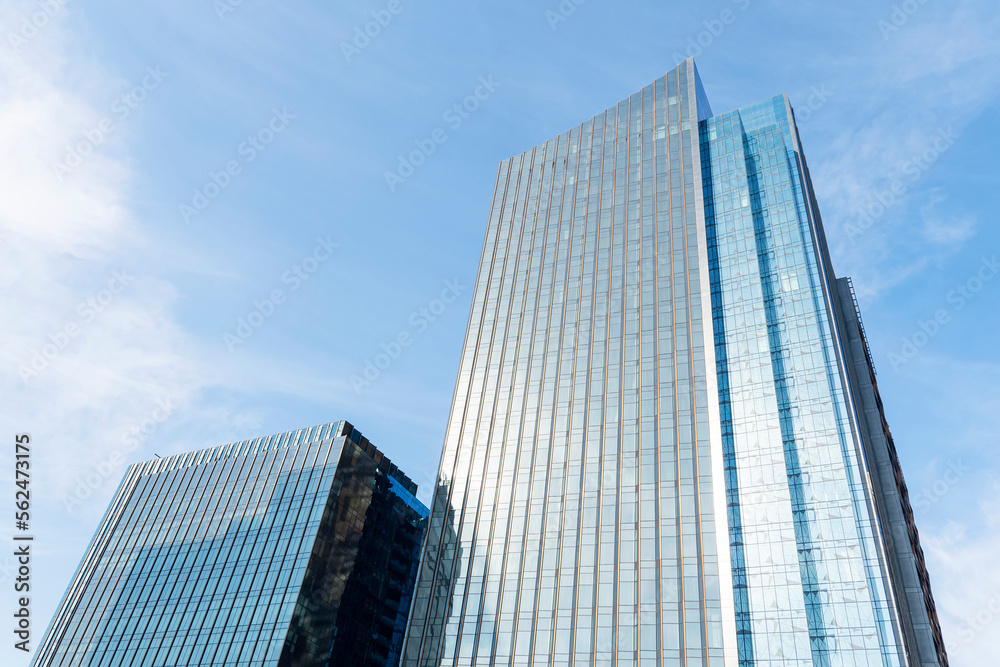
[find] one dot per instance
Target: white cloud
(958, 520)
(104, 349)
(929, 80)
(940, 227)
(950, 231)
(966, 582)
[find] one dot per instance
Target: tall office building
(666, 445)
(298, 549)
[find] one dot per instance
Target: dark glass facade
(664, 447)
(294, 549)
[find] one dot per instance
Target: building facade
(296, 549)
(666, 445)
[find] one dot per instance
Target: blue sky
(168, 171)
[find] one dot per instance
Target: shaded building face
(295, 549)
(660, 450)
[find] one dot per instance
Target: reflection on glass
(655, 455)
(295, 549)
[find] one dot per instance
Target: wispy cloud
(962, 556)
(958, 521)
(936, 74)
(942, 229)
(86, 354)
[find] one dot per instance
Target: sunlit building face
(666, 445)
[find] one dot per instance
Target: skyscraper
(666, 445)
(298, 549)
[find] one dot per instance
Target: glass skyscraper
(666, 445)
(297, 549)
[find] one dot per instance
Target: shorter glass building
(294, 549)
